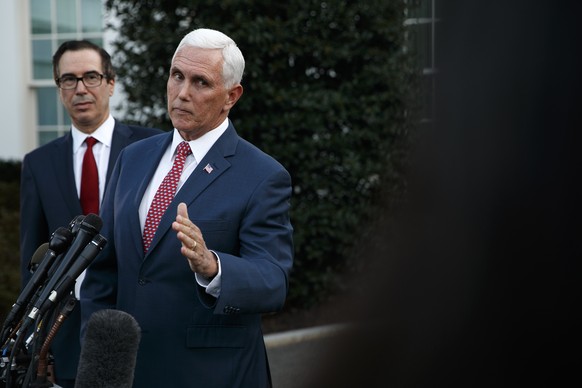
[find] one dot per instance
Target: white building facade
(33, 29)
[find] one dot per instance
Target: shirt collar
(201, 145)
(104, 134)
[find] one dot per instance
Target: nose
(80, 88)
(184, 91)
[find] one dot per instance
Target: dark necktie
(164, 195)
(89, 180)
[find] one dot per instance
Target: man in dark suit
(222, 251)
(51, 183)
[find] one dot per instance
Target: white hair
(233, 61)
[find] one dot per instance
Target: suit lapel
(144, 172)
(62, 161)
(200, 179)
(120, 138)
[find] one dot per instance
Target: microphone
(88, 228)
(109, 350)
(17, 308)
(85, 259)
(75, 223)
(58, 243)
(37, 257)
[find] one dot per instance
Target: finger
(188, 237)
(182, 222)
(183, 210)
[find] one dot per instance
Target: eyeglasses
(90, 80)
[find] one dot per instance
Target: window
(53, 22)
(422, 20)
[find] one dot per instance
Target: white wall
(16, 110)
(17, 102)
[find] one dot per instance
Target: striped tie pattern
(164, 195)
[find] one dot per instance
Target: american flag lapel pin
(208, 168)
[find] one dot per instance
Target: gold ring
(194, 246)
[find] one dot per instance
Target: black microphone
(109, 350)
(88, 228)
(17, 309)
(75, 223)
(58, 243)
(67, 282)
(37, 257)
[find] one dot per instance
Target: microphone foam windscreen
(93, 220)
(109, 350)
(39, 255)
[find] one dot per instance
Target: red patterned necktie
(89, 180)
(164, 195)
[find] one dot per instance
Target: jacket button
(141, 282)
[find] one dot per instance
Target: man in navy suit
(222, 252)
(51, 174)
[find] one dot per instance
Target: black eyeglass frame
(83, 79)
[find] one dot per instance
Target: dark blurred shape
(476, 282)
(109, 350)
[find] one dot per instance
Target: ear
(111, 86)
(233, 95)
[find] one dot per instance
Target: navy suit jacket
(189, 338)
(49, 200)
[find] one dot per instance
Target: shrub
(9, 235)
(327, 92)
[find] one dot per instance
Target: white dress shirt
(101, 152)
(199, 149)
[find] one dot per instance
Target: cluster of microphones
(45, 303)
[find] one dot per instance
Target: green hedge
(9, 231)
(327, 91)
(328, 87)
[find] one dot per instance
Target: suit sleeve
(257, 281)
(33, 224)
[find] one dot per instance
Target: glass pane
(64, 115)
(438, 9)
(66, 16)
(427, 93)
(40, 15)
(42, 67)
(46, 136)
(46, 102)
(97, 41)
(91, 15)
(420, 9)
(422, 43)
